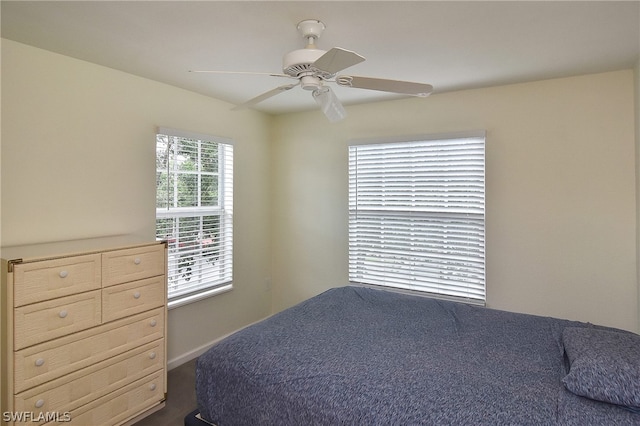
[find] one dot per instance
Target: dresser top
(71, 247)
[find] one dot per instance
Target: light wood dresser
(83, 332)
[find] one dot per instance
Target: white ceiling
(452, 45)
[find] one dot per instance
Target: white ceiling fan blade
(272, 74)
(329, 104)
(393, 86)
(264, 96)
(336, 60)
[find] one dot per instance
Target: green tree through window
(194, 193)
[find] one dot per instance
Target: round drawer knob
(40, 403)
(152, 355)
(39, 362)
(152, 386)
(153, 323)
(63, 314)
(63, 274)
(137, 261)
(136, 295)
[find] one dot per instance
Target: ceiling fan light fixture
(310, 82)
(329, 104)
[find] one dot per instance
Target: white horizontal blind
(194, 211)
(416, 216)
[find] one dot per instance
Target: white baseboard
(195, 353)
(186, 357)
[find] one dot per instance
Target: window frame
(358, 237)
(210, 253)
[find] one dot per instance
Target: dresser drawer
(74, 390)
(49, 279)
(131, 298)
(121, 266)
(47, 361)
(121, 405)
(55, 318)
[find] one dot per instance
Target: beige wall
(560, 193)
(78, 161)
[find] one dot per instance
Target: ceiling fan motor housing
(298, 64)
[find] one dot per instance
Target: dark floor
(181, 398)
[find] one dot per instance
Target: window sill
(191, 298)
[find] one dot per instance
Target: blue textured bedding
(359, 356)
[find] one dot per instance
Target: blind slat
(416, 216)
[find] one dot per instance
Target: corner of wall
(636, 71)
(1, 298)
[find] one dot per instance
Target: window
(416, 215)
(194, 213)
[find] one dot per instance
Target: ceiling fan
(313, 68)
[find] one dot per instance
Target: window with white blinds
(194, 212)
(416, 215)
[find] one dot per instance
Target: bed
(362, 356)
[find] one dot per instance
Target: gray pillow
(604, 365)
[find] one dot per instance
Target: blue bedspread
(358, 356)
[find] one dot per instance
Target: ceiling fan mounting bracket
(311, 29)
